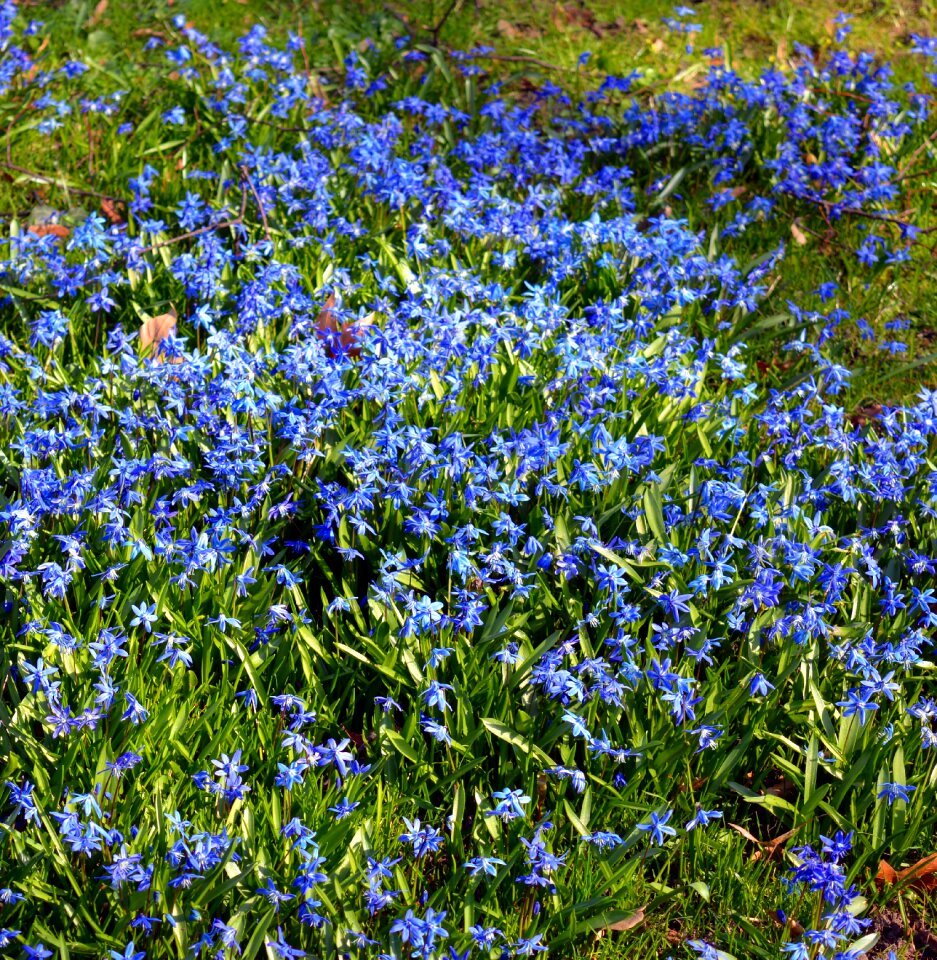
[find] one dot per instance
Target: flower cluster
(436, 569)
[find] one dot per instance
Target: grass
(643, 442)
(549, 38)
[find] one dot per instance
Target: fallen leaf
(49, 229)
(745, 833)
(344, 339)
(639, 25)
(507, 30)
(769, 849)
(154, 330)
(799, 236)
(658, 45)
(886, 875)
(629, 922)
(920, 876)
(100, 8)
(109, 209)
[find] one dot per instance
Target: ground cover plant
(420, 539)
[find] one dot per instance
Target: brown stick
(234, 222)
(442, 22)
(59, 183)
(518, 58)
(260, 203)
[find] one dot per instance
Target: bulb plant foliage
(442, 578)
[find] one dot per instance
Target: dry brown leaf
(507, 30)
(49, 229)
(154, 330)
(745, 833)
(920, 876)
(639, 25)
(769, 849)
(800, 238)
(658, 45)
(109, 209)
(633, 920)
(886, 875)
(344, 339)
(100, 8)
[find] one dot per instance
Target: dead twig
(233, 222)
(58, 182)
(517, 58)
(259, 202)
(442, 22)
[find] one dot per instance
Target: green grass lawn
(531, 42)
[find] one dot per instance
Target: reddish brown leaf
(745, 833)
(49, 229)
(886, 875)
(155, 330)
(769, 849)
(345, 338)
(109, 209)
(922, 875)
(772, 849)
(100, 8)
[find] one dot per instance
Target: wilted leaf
(49, 229)
(920, 876)
(508, 30)
(109, 209)
(769, 849)
(100, 8)
(345, 338)
(155, 329)
(799, 236)
(745, 833)
(772, 849)
(886, 875)
(923, 874)
(628, 922)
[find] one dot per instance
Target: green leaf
(654, 513)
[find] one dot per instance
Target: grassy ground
(531, 40)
